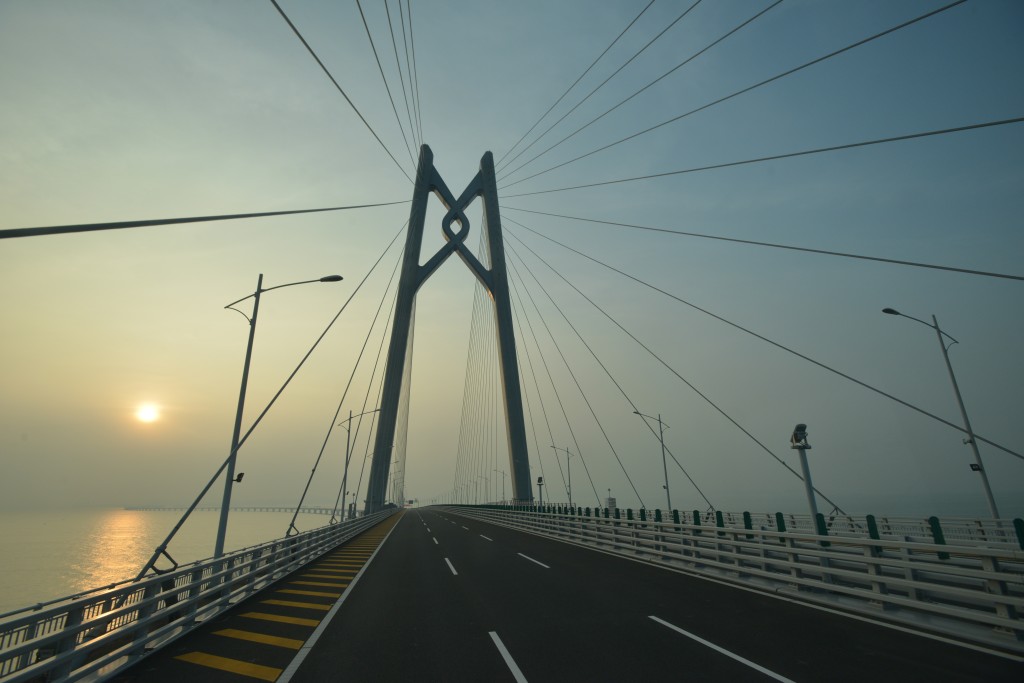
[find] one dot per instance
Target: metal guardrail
(103, 633)
(963, 590)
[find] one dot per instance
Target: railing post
(141, 634)
(67, 644)
(938, 536)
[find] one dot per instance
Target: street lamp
(977, 466)
(568, 469)
(229, 476)
(661, 434)
(799, 443)
(503, 477)
(347, 424)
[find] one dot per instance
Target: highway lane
(449, 598)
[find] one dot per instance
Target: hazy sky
(129, 110)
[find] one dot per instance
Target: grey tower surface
(413, 276)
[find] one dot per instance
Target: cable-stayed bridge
(580, 343)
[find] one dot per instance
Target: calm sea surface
(51, 554)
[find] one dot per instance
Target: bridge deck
(452, 599)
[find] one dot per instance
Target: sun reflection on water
(114, 550)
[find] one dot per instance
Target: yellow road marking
(319, 594)
(290, 643)
(334, 584)
(264, 673)
(295, 603)
(336, 568)
(298, 621)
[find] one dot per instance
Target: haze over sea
(48, 554)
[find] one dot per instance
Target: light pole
(568, 468)
(347, 424)
(503, 477)
(664, 466)
(229, 474)
(799, 443)
(540, 487)
(977, 466)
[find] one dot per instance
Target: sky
(116, 111)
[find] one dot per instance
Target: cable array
(603, 83)
(649, 85)
(787, 155)
(341, 90)
(574, 83)
(742, 91)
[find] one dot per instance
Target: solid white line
(534, 561)
(486, 539)
(466, 528)
(435, 541)
(451, 567)
(723, 651)
(310, 643)
(516, 673)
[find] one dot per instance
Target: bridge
(525, 593)
(599, 350)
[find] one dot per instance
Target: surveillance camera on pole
(798, 441)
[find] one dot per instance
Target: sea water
(50, 554)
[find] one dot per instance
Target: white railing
(104, 632)
(963, 590)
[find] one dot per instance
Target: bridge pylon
(495, 280)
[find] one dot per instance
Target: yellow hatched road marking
(349, 562)
(346, 560)
(333, 584)
(295, 603)
(290, 643)
(298, 621)
(319, 594)
(264, 673)
(336, 577)
(328, 572)
(335, 569)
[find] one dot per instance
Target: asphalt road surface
(448, 598)
(442, 597)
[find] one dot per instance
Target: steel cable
(747, 89)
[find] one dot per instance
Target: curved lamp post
(229, 476)
(347, 424)
(568, 455)
(977, 466)
(664, 466)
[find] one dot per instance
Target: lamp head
(799, 438)
(332, 278)
(891, 311)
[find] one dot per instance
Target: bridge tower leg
(495, 279)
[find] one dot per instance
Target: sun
(147, 412)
